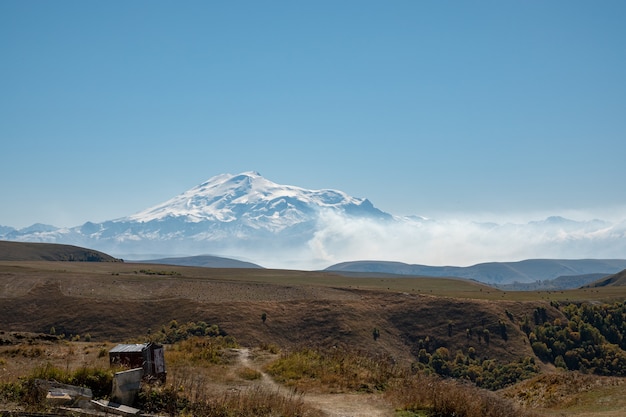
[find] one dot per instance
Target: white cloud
(455, 242)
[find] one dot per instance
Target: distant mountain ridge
(564, 282)
(205, 261)
(527, 271)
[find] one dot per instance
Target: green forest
(591, 338)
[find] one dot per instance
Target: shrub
(176, 332)
(27, 391)
(249, 374)
(375, 333)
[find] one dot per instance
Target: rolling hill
(103, 302)
(26, 251)
(206, 261)
(615, 280)
(122, 301)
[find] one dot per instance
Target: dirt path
(332, 405)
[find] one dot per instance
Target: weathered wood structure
(148, 356)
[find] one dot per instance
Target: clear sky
(433, 108)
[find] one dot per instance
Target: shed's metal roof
(139, 347)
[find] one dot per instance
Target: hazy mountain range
(577, 271)
(250, 218)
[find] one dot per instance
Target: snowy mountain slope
(227, 213)
(254, 201)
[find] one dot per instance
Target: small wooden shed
(148, 356)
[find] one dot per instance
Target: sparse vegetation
(174, 332)
(436, 397)
(375, 333)
(162, 272)
(345, 370)
(249, 374)
(438, 356)
(335, 369)
(197, 351)
(252, 403)
(26, 391)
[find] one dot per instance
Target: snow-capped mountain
(228, 213)
(252, 201)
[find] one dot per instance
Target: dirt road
(332, 405)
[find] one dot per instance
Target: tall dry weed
(334, 369)
(192, 391)
(447, 398)
(188, 398)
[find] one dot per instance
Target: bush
(175, 332)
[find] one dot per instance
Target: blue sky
(435, 108)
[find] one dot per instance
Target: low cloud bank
(453, 242)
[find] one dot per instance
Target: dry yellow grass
(116, 302)
(571, 394)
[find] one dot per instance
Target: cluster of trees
(592, 339)
(485, 373)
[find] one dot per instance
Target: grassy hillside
(323, 323)
(28, 251)
(121, 301)
(615, 280)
